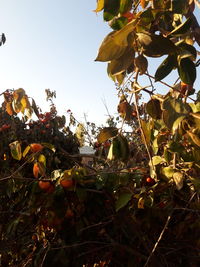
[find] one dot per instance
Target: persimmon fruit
(46, 186)
(67, 183)
(36, 147)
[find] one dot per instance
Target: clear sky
(52, 44)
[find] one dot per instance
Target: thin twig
(159, 238)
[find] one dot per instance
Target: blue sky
(53, 44)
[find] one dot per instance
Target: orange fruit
(36, 147)
(46, 186)
(35, 170)
(67, 183)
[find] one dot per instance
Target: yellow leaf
(9, 108)
(15, 148)
(100, 6)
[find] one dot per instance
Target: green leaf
(111, 9)
(165, 68)
(107, 133)
(115, 43)
(15, 148)
(125, 6)
(118, 66)
(181, 29)
(122, 200)
(187, 71)
(153, 109)
(100, 5)
(155, 45)
(118, 23)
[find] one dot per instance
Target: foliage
(137, 203)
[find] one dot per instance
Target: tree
(138, 203)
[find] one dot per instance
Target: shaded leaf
(165, 68)
(9, 108)
(111, 9)
(182, 28)
(155, 45)
(125, 6)
(118, 66)
(141, 63)
(122, 200)
(141, 203)
(187, 71)
(118, 23)
(153, 108)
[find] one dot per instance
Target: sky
(52, 45)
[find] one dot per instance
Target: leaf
(153, 108)
(174, 112)
(115, 43)
(187, 49)
(9, 108)
(125, 6)
(141, 203)
(165, 68)
(141, 63)
(178, 179)
(34, 106)
(111, 9)
(115, 152)
(122, 200)
(42, 159)
(125, 110)
(124, 147)
(49, 146)
(26, 150)
(167, 172)
(179, 6)
(157, 160)
(187, 71)
(195, 138)
(118, 23)
(118, 66)
(15, 148)
(155, 45)
(147, 131)
(107, 133)
(100, 6)
(182, 28)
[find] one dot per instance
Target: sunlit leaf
(100, 5)
(178, 179)
(15, 148)
(107, 133)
